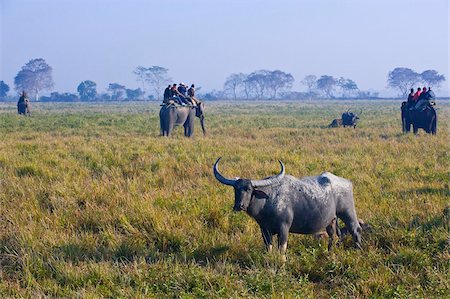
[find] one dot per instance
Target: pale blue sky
(203, 41)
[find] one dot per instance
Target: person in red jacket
(417, 94)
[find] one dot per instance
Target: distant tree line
(262, 84)
(266, 84)
(36, 76)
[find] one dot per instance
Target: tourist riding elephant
(23, 105)
(425, 119)
(174, 115)
(22, 108)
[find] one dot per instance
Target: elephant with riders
(180, 108)
(173, 115)
(419, 112)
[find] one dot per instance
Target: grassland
(94, 204)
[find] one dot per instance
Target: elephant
(174, 115)
(23, 108)
(425, 119)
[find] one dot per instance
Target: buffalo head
(244, 189)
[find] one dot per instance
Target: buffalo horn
(221, 178)
(271, 180)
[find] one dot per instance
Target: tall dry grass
(93, 203)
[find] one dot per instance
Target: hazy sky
(204, 41)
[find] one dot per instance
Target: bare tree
(117, 91)
(278, 81)
(36, 75)
(310, 81)
(404, 79)
(258, 80)
(158, 78)
(348, 87)
(432, 78)
(233, 83)
(248, 88)
(141, 73)
(326, 84)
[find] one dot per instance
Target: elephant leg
(430, 126)
(170, 126)
(189, 126)
(164, 121)
(171, 121)
(434, 126)
(161, 126)
(415, 129)
(188, 129)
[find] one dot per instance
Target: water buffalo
(172, 115)
(281, 204)
(425, 119)
(336, 123)
(350, 119)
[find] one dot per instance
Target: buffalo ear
(260, 194)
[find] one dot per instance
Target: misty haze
(224, 149)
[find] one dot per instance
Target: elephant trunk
(200, 113)
(202, 122)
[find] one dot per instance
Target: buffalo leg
(267, 237)
(338, 232)
(352, 223)
(331, 230)
(282, 241)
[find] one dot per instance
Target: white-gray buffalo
(281, 204)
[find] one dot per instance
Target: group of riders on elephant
(418, 112)
(179, 108)
(419, 119)
(172, 115)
